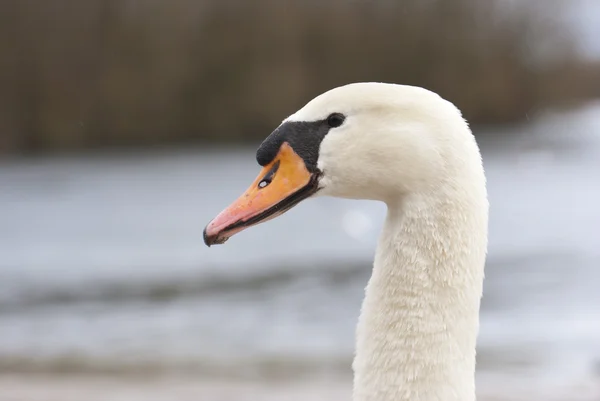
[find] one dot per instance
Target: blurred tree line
(96, 73)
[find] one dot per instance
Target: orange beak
(281, 184)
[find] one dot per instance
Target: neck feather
(418, 327)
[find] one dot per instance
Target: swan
(411, 149)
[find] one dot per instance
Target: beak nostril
(269, 177)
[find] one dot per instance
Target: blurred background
(126, 125)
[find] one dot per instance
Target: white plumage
(411, 149)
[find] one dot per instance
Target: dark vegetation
(101, 73)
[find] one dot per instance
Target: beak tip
(213, 239)
(206, 239)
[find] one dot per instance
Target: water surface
(103, 266)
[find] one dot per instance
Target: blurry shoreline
(167, 388)
(151, 74)
(190, 388)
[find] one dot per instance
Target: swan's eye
(335, 120)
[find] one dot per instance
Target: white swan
(411, 149)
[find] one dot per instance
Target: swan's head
(361, 141)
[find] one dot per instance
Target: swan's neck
(419, 321)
